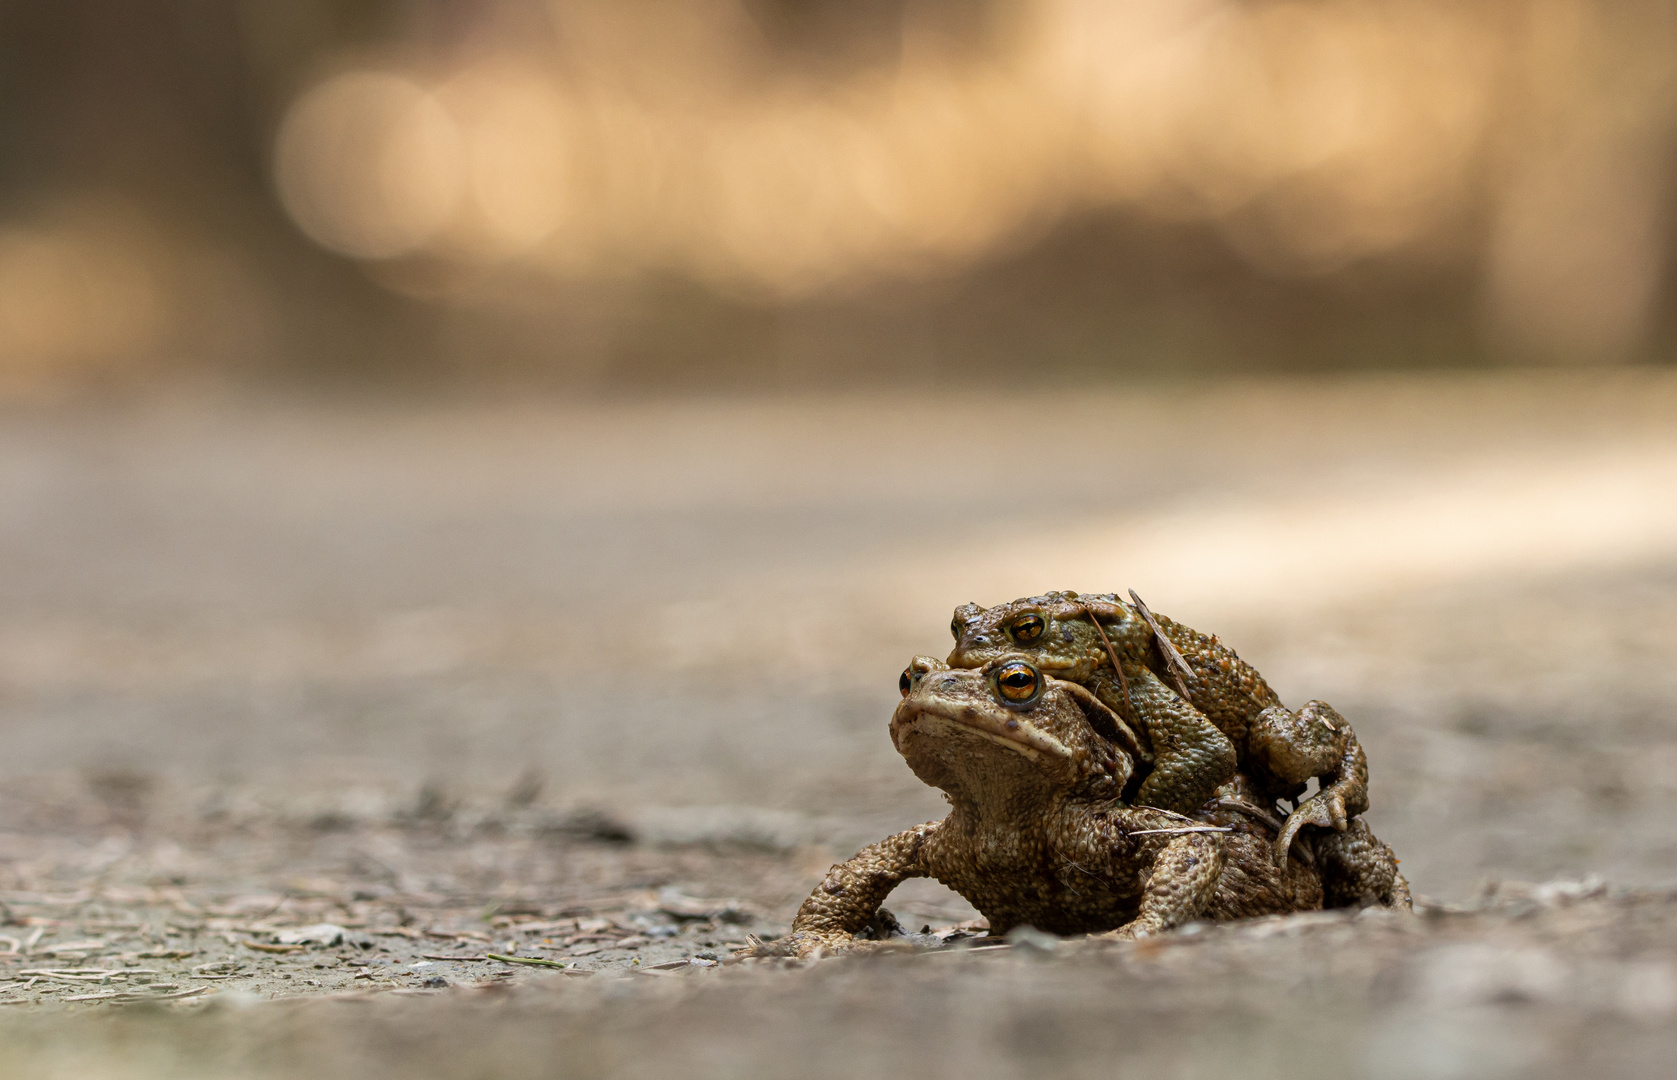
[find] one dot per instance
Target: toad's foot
(803, 944)
(755, 948)
(1137, 929)
(1325, 808)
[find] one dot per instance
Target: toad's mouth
(932, 715)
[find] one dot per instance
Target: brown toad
(1201, 710)
(1037, 835)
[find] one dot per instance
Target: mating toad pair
(1109, 769)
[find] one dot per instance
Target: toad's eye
(1027, 629)
(906, 681)
(1017, 681)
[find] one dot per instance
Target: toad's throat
(1004, 730)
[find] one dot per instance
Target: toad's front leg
(1180, 884)
(1191, 757)
(851, 893)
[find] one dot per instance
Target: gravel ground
(279, 916)
(298, 699)
(1564, 979)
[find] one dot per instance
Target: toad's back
(1227, 689)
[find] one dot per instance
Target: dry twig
(1112, 654)
(1172, 657)
(532, 961)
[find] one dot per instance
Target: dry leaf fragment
(318, 934)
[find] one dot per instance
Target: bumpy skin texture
(1358, 869)
(1186, 713)
(1036, 833)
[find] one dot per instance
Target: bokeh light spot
(370, 165)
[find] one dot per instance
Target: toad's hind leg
(1191, 758)
(1253, 885)
(1358, 868)
(1313, 743)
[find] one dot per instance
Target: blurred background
(605, 195)
(596, 402)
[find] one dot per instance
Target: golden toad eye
(1027, 629)
(1017, 681)
(905, 682)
